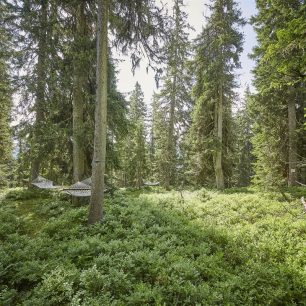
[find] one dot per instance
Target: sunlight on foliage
(238, 247)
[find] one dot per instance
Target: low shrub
(154, 248)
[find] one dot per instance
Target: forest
(196, 197)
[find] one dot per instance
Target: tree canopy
(63, 112)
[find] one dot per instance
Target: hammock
(151, 183)
(79, 189)
(43, 183)
(87, 181)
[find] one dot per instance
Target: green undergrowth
(238, 247)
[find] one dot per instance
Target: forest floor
(238, 247)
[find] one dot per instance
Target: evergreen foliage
(5, 106)
(63, 49)
(158, 143)
(100, 123)
(243, 127)
(174, 101)
(5, 131)
(239, 246)
(217, 55)
(134, 150)
(244, 132)
(279, 145)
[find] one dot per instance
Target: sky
(196, 11)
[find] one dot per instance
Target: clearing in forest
(239, 247)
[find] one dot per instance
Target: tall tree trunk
(140, 165)
(219, 134)
(40, 92)
(219, 128)
(292, 152)
(171, 144)
(78, 94)
(171, 141)
(139, 176)
(98, 168)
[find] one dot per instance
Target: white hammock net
(79, 189)
(43, 183)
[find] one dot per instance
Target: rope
(288, 201)
(300, 183)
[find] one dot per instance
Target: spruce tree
(5, 131)
(243, 124)
(98, 169)
(38, 81)
(40, 88)
(5, 105)
(135, 155)
(174, 97)
(217, 55)
(80, 76)
(159, 138)
(70, 79)
(279, 145)
(117, 122)
(152, 136)
(136, 25)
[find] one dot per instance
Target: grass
(238, 247)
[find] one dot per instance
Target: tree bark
(171, 140)
(219, 134)
(78, 94)
(219, 123)
(40, 92)
(292, 150)
(171, 145)
(98, 168)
